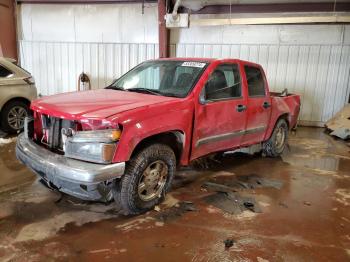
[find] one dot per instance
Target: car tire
(12, 116)
(147, 178)
(274, 147)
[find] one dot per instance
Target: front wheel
(147, 178)
(277, 142)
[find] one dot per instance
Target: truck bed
(292, 101)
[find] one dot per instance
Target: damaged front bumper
(81, 179)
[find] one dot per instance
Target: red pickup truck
(125, 141)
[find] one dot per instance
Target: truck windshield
(168, 78)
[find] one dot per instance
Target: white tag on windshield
(193, 64)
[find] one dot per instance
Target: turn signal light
(116, 134)
(108, 152)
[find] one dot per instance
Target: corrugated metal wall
(58, 42)
(320, 73)
(57, 65)
(107, 40)
(310, 60)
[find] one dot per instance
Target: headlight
(102, 136)
(93, 146)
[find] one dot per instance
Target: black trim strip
(216, 138)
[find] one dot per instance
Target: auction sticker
(193, 64)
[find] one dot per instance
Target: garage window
(4, 72)
(255, 81)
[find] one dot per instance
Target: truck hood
(100, 103)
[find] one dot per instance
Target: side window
(4, 72)
(223, 83)
(255, 80)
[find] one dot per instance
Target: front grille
(52, 130)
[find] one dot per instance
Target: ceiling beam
(268, 19)
(85, 1)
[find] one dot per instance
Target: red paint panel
(99, 104)
(141, 123)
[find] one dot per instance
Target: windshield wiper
(115, 88)
(169, 94)
(141, 89)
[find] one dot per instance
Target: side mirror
(202, 99)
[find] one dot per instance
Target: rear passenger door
(259, 105)
(220, 117)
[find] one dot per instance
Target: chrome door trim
(216, 138)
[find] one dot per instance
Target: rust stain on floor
(307, 218)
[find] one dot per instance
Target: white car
(17, 90)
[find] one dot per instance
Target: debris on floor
(228, 243)
(206, 162)
(227, 197)
(170, 201)
(71, 203)
(343, 133)
(233, 203)
(339, 125)
(283, 204)
(176, 211)
(235, 183)
(217, 187)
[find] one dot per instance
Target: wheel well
(285, 117)
(21, 99)
(173, 139)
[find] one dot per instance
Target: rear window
(255, 81)
(4, 72)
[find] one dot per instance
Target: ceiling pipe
(176, 7)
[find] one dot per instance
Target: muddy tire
(148, 177)
(275, 145)
(12, 116)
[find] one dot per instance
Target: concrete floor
(307, 219)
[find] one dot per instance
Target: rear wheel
(12, 116)
(275, 145)
(147, 178)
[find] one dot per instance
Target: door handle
(241, 108)
(266, 105)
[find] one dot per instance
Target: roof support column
(163, 32)
(8, 37)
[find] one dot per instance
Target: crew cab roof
(206, 60)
